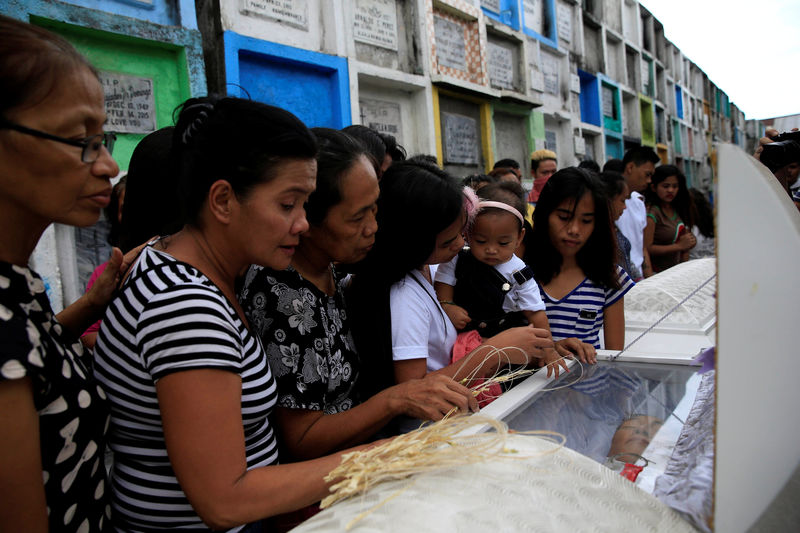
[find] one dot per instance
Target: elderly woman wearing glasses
(55, 166)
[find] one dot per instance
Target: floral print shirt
(306, 336)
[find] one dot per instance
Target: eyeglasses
(91, 145)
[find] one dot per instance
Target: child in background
(703, 228)
(582, 287)
(513, 174)
(486, 287)
(617, 191)
(670, 217)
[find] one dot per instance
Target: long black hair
(113, 211)
(240, 141)
(705, 213)
(418, 201)
(152, 204)
(682, 203)
(598, 256)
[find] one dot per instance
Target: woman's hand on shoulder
(89, 308)
(431, 397)
(106, 283)
(103, 289)
(521, 345)
(573, 347)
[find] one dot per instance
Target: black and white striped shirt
(169, 318)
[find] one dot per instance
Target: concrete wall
(527, 72)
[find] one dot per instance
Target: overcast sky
(749, 49)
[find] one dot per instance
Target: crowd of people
(312, 293)
(656, 220)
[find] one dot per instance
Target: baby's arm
(457, 314)
(538, 319)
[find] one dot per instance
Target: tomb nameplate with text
(460, 139)
(451, 48)
(375, 23)
(382, 116)
(292, 12)
(564, 22)
(129, 103)
(501, 66)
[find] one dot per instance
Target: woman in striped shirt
(575, 256)
(189, 385)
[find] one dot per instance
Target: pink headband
(500, 205)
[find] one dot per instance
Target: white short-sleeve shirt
(632, 224)
(420, 327)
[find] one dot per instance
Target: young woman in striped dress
(575, 260)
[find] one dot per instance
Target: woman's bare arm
(201, 415)
(23, 506)
(308, 434)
